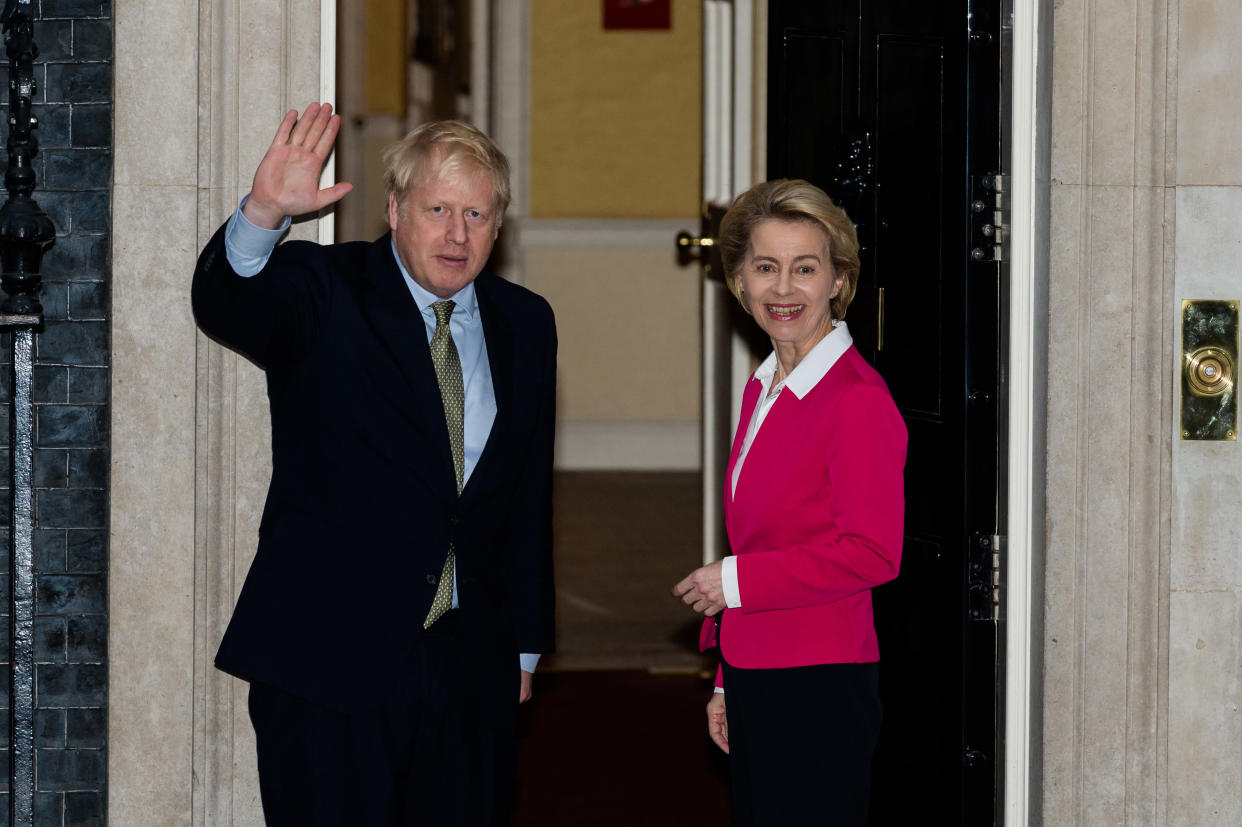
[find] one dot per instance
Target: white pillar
(201, 86)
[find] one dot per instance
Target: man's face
(445, 229)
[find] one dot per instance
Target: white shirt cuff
(717, 690)
(728, 582)
(247, 245)
(528, 662)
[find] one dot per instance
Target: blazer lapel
(750, 398)
(826, 390)
(399, 327)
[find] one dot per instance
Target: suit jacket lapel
(398, 325)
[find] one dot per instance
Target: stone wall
(1142, 670)
(1205, 531)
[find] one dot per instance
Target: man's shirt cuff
(728, 582)
(528, 662)
(247, 245)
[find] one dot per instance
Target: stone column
(1109, 414)
(1143, 665)
(201, 85)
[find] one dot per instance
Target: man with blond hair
(404, 562)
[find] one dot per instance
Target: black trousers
(431, 754)
(800, 743)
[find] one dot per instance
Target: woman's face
(788, 282)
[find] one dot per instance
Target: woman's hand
(717, 721)
(702, 590)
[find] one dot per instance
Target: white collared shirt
(813, 367)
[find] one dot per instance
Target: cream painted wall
(615, 115)
(620, 305)
(385, 56)
(614, 173)
(629, 326)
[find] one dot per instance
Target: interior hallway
(617, 733)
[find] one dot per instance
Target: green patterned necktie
(448, 374)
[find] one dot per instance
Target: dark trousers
(429, 755)
(800, 743)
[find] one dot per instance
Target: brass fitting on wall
(1209, 370)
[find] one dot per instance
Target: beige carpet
(622, 539)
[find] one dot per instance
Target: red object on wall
(638, 14)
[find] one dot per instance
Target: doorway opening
(399, 63)
(627, 503)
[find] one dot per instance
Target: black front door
(891, 106)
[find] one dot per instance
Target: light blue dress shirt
(248, 248)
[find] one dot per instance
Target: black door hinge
(983, 577)
(989, 220)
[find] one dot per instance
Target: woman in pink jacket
(813, 508)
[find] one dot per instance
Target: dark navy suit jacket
(363, 504)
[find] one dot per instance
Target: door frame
(733, 79)
(1027, 26)
(327, 92)
(1029, 149)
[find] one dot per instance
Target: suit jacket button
(431, 579)
(454, 520)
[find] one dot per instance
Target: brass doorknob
(688, 246)
(686, 241)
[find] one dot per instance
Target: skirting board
(594, 445)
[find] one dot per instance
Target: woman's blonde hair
(790, 200)
(437, 148)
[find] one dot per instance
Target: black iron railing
(25, 234)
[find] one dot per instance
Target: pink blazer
(816, 521)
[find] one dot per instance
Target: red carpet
(620, 745)
(619, 748)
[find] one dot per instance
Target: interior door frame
(733, 72)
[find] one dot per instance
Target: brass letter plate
(1209, 370)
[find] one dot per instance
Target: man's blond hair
(437, 148)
